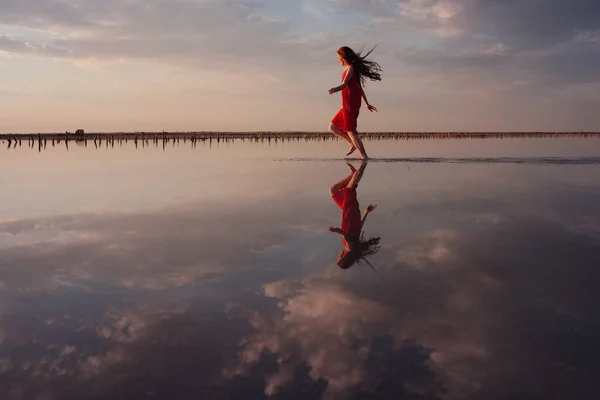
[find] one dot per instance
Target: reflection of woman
(343, 194)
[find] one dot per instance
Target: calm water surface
(210, 273)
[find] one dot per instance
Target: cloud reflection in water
(473, 298)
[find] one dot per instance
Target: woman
(356, 248)
(344, 123)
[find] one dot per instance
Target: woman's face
(341, 60)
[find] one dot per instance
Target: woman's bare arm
(349, 76)
(341, 232)
(364, 97)
(370, 208)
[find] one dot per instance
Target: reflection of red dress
(346, 119)
(351, 219)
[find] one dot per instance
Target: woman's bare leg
(358, 144)
(357, 175)
(340, 133)
(341, 184)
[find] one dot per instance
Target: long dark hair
(362, 66)
(360, 251)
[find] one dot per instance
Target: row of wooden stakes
(193, 137)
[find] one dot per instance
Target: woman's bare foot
(352, 169)
(352, 149)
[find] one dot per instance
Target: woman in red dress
(356, 248)
(344, 123)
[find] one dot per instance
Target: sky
(251, 65)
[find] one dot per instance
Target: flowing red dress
(347, 118)
(351, 218)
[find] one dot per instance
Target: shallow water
(209, 272)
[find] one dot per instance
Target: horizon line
(6, 135)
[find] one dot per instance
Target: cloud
(530, 25)
(329, 327)
(107, 359)
(547, 42)
(436, 16)
(371, 7)
(321, 324)
(195, 33)
(514, 295)
(520, 25)
(429, 251)
(469, 309)
(504, 58)
(315, 10)
(173, 248)
(330, 323)
(16, 46)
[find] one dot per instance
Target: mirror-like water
(210, 271)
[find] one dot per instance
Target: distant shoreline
(274, 135)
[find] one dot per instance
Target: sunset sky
(243, 65)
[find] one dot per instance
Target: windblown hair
(362, 66)
(367, 247)
(362, 249)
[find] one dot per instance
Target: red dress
(346, 119)
(351, 218)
